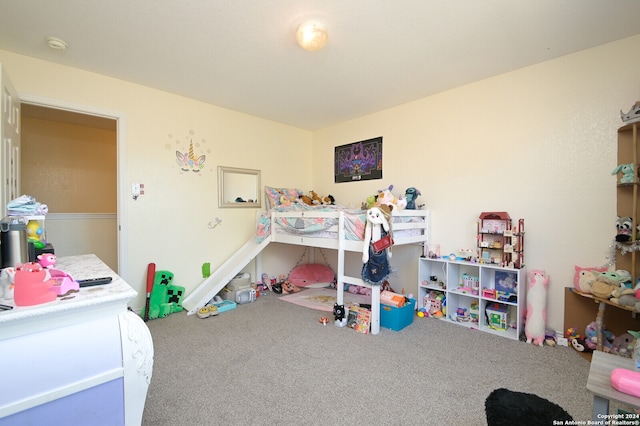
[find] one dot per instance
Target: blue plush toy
(411, 194)
(628, 172)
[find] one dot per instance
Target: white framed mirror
(238, 188)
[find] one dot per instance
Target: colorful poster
(358, 161)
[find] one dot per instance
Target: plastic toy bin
(397, 318)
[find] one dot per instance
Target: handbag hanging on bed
(383, 243)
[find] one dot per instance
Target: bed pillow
(273, 195)
(312, 275)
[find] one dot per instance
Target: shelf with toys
(483, 296)
(627, 242)
(499, 241)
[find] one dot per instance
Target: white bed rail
(417, 232)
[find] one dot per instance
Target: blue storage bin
(397, 318)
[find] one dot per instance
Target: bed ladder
(221, 276)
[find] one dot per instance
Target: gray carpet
(272, 362)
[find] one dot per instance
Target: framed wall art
(358, 161)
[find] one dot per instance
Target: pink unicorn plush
(536, 318)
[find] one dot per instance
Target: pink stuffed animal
(536, 318)
(584, 278)
(47, 260)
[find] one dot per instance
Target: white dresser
(76, 361)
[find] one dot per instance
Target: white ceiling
(242, 54)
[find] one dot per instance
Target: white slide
(221, 276)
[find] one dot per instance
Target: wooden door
(10, 149)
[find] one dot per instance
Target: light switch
(137, 189)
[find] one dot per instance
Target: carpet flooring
(270, 362)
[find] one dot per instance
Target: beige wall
(69, 167)
(169, 224)
(538, 142)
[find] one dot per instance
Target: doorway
(71, 161)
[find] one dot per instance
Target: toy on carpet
(591, 337)
(287, 286)
(580, 345)
(340, 315)
(628, 172)
(536, 318)
(375, 268)
(606, 283)
(504, 407)
(571, 333)
(166, 298)
(411, 194)
(208, 310)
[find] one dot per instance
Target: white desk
(599, 383)
(79, 360)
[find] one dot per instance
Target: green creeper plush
(166, 298)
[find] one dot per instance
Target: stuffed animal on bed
(536, 307)
(411, 194)
(328, 200)
(369, 202)
(385, 196)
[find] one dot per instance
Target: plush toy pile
(386, 197)
(616, 286)
(313, 199)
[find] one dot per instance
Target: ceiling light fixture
(56, 43)
(312, 35)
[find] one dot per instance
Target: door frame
(120, 118)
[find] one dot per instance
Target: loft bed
(334, 227)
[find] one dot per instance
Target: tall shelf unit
(627, 253)
(483, 296)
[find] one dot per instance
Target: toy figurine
(411, 194)
(47, 260)
(628, 172)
